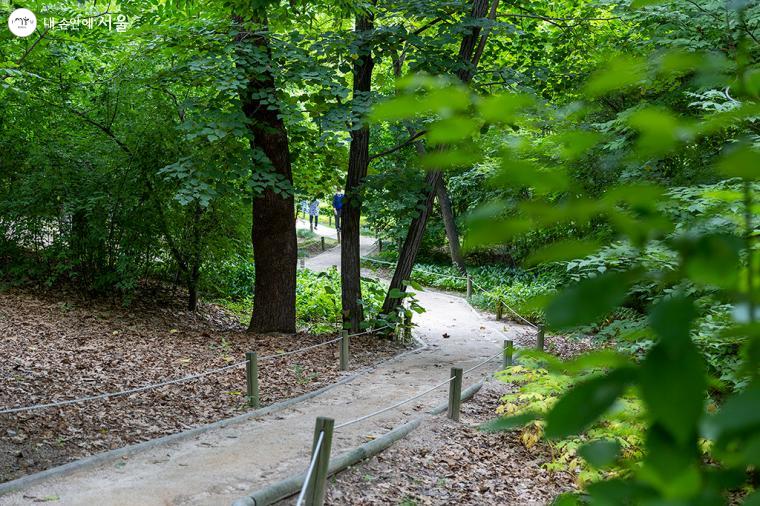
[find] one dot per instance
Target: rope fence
(183, 379)
(312, 491)
(469, 282)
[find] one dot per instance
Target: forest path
(221, 465)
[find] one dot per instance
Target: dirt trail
(222, 465)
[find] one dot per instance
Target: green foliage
(597, 452)
(318, 304)
(651, 139)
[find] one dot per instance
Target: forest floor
(58, 345)
(445, 462)
(219, 466)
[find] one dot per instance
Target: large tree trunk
(450, 224)
(358, 162)
(273, 235)
(411, 247)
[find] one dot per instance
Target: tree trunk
(449, 222)
(358, 162)
(273, 235)
(451, 225)
(196, 257)
(411, 247)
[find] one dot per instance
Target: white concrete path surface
(220, 466)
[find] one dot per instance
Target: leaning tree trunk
(451, 225)
(449, 222)
(358, 162)
(411, 247)
(273, 235)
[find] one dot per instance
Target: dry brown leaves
(448, 463)
(60, 346)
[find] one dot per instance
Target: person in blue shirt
(338, 206)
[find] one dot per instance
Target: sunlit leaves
(441, 101)
(451, 130)
(620, 74)
(521, 173)
(504, 108)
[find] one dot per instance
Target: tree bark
(358, 162)
(273, 235)
(414, 236)
(450, 224)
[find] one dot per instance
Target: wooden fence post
(380, 244)
(315, 489)
(508, 351)
(252, 378)
(455, 393)
(469, 287)
(344, 351)
(323, 242)
(540, 338)
(499, 309)
(329, 220)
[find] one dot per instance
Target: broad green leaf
(451, 130)
(712, 259)
(672, 383)
(508, 422)
(444, 101)
(563, 250)
(671, 320)
(621, 73)
(659, 131)
(395, 293)
(585, 403)
(587, 301)
(742, 161)
(504, 108)
(739, 415)
(600, 453)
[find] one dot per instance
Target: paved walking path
(222, 465)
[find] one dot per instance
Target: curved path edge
(100, 458)
(288, 487)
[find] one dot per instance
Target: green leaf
(743, 161)
(621, 73)
(395, 293)
(508, 422)
(587, 301)
(585, 403)
(567, 249)
(713, 259)
(671, 320)
(672, 382)
(600, 453)
(739, 415)
(451, 130)
(504, 108)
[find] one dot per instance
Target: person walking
(304, 208)
(338, 207)
(314, 214)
